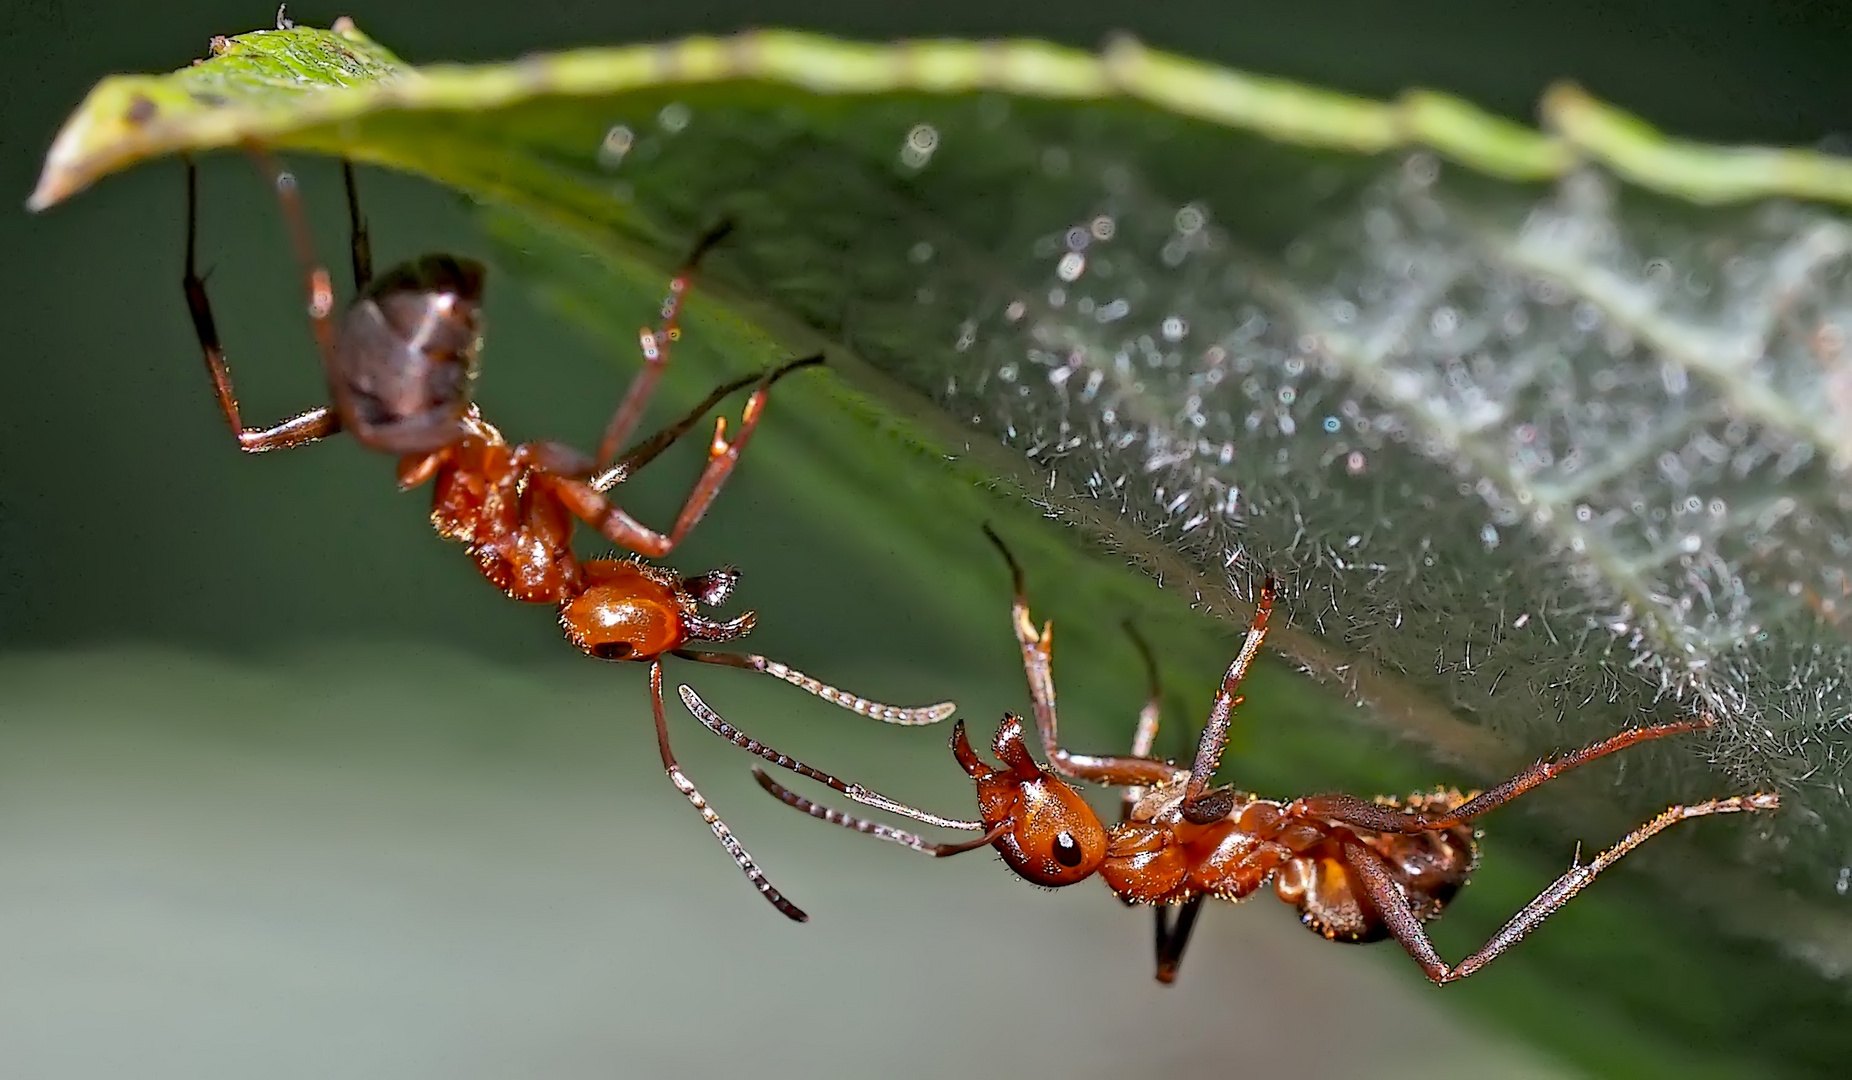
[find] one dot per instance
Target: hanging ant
(1357, 870)
(400, 363)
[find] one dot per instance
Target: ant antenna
(741, 857)
(874, 828)
(856, 792)
(916, 716)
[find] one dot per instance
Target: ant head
(406, 356)
(1056, 838)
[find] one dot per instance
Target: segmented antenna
(874, 828)
(855, 792)
(916, 716)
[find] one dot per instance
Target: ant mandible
(399, 365)
(1358, 871)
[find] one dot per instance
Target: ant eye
(1067, 852)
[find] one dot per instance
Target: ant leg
(306, 428)
(714, 723)
(874, 828)
(315, 276)
(1144, 737)
(1172, 939)
(1215, 730)
(587, 502)
(905, 716)
(358, 241)
(1379, 884)
(721, 832)
(646, 451)
(655, 344)
(1038, 664)
(562, 460)
(1350, 810)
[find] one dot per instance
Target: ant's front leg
(656, 345)
(1199, 804)
(1038, 658)
(306, 428)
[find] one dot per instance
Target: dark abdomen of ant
(1430, 868)
(406, 354)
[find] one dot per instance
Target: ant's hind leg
(306, 428)
(1379, 885)
(1350, 810)
(360, 244)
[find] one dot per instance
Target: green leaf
(1540, 446)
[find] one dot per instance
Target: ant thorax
(1159, 856)
(1163, 805)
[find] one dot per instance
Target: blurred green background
(286, 790)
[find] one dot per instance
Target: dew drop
(674, 117)
(917, 149)
(617, 143)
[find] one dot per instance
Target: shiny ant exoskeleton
(400, 363)
(1357, 870)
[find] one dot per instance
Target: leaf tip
(1560, 103)
(59, 180)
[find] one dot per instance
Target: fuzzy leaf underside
(1546, 433)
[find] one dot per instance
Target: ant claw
(712, 588)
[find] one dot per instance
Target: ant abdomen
(1329, 898)
(1429, 867)
(407, 354)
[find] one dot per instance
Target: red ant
(399, 365)
(1358, 871)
